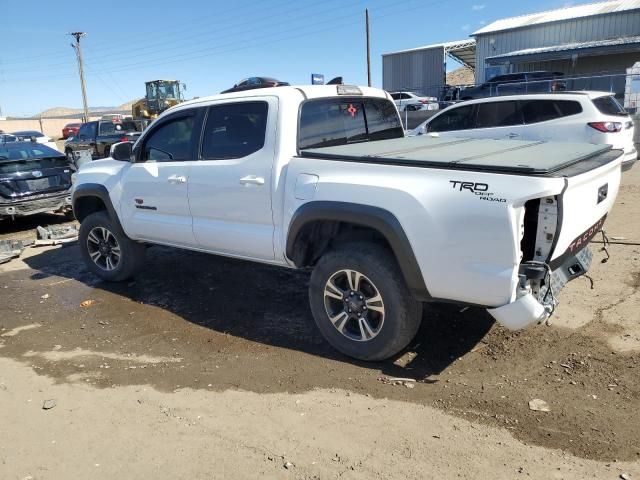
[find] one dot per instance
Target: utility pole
(366, 15)
(76, 47)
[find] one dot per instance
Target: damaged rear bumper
(38, 204)
(530, 308)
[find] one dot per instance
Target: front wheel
(361, 303)
(106, 250)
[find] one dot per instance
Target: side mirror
(121, 151)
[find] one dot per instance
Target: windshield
(167, 90)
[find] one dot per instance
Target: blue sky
(210, 45)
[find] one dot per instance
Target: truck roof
(499, 156)
(294, 91)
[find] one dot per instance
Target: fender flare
(376, 218)
(97, 191)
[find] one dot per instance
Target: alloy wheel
(103, 248)
(354, 305)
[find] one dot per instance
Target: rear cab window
(330, 122)
(608, 105)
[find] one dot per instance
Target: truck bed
(500, 156)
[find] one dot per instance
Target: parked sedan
(27, 135)
(255, 82)
(70, 130)
(410, 101)
(588, 117)
(33, 179)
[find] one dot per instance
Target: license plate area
(571, 268)
(36, 184)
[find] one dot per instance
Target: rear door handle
(177, 179)
(252, 180)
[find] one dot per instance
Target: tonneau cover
(505, 156)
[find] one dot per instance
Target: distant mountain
(62, 112)
(461, 76)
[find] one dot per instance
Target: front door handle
(177, 179)
(513, 135)
(252, 180)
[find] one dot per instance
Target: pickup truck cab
(322, 177)
(99, 135)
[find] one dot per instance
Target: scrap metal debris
(539, 405)
(87, 303)
(407, 382)
(10, 249)
(48, 404)
(56, 235)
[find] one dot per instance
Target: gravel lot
(206, 367)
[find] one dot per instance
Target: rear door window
(609, 106)
(459, 118)
(536, 111)
(234, 130)
(338, 121)
(498, 114)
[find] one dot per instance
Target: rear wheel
(361, 304)
(106, 250)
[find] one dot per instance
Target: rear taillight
(424, 101)
(124, 139)
(606, 127)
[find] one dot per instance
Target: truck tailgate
(584, 204)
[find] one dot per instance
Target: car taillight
(424, 101)
(606, 127)
(124, 139)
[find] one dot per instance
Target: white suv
(590, 117)
(410, 101)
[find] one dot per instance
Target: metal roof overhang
(567, 51)
(463, 52)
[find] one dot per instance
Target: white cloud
(482, 22)
(465, 27)
(478, 6)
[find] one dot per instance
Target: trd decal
(478, 189)
(139, 205)
(472, 187)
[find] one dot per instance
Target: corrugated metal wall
(421, 71)
(556, 33)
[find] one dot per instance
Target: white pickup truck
(322, 177)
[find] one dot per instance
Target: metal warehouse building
(597, 37)
(595, 40)
(423, 69)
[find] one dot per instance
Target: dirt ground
(206, 367)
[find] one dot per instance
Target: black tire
(402, 313)
(106, 152)
(131, 256)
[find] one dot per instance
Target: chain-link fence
(620, 84)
